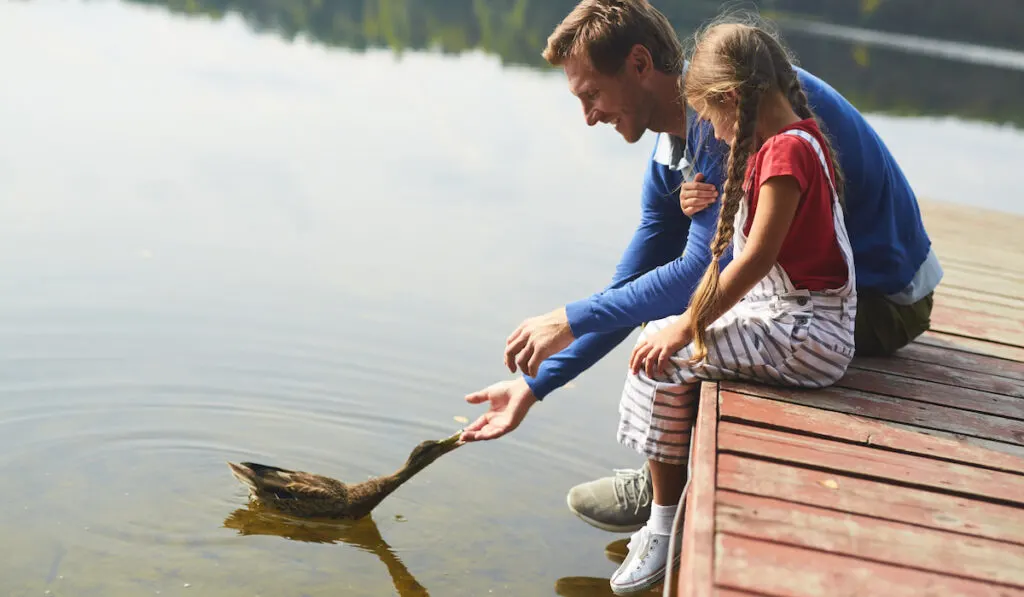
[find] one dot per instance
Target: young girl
(782, 312)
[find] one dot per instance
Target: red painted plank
(972, 345)
(933, 393)
(956, 320)
(740, 407)
(1001, 447)
(734, 593)
(749, 564)
(871, 498)
(942, 373)
(867, 538)
(888, 408)
(964, 297)
(697, 564)
(967, 361)
(870, 462)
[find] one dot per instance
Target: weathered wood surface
(848, 493)
(904, 478)
(698, 555)
(777, 569)
(903, 469)
(868, 432)
(957, 360)
(941, 373)
(867, 538)
(975, 324)
(735, 593)
(973, 345)
(890, 408)
(964, 397)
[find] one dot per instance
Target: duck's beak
(450, 443)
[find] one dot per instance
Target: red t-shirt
(810, 253)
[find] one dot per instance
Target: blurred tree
(876, 79)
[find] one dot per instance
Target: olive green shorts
(883, 327)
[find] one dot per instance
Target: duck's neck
(404, 474)
(375, 490)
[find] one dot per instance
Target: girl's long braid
(704, 298)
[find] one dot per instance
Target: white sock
(660, 522)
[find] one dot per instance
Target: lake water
(218, 244)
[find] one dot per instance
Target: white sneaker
(645, 563)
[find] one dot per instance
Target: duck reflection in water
(363, 534)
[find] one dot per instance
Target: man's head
(618, 56)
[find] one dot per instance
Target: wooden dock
(904, 479)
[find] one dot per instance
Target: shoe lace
(633, 485)
(644, 535)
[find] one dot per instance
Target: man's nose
(594, 117)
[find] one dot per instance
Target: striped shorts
(801, 340)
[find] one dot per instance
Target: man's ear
(640, 60)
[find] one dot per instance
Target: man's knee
(883, 327)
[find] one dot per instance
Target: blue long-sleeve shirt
(669, 252)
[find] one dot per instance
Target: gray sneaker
(620, 503)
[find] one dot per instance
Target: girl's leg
(656, 420)
(667, 480)
(674, 410)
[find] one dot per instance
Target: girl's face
(721, 112)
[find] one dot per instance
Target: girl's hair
(749, 60)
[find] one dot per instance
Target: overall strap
(839, 220)
(821, 157)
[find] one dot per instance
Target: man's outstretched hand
(509, 402)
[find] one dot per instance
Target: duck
(304, 494)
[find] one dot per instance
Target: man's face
(619, 99)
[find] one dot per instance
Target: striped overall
(776, 334)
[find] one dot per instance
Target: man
(624, 62)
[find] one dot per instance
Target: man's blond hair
(607, 30)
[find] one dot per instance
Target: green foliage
(516, 31)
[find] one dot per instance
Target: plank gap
(784, 570)
(727, 592)
(931, 353)
(974, 346)
(954, 365)
(869, 477)
(854, 442)
(962, 406)
(861, 558)
(975, 291)
(1003, 343)
(869, 432)
(872, 498)
(824, 399)
(876, 517)
(874, 366)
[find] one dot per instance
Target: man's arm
(660, 237)
(665, 290)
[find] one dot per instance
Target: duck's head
(429, 451)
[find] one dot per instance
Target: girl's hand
(696, 195)
(654, 351)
